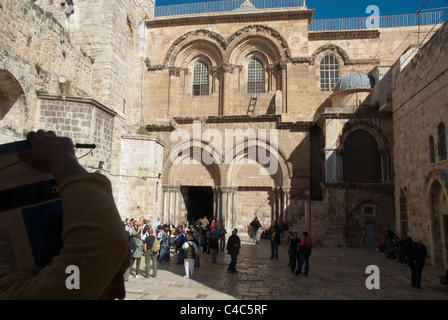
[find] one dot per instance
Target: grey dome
(353, 80)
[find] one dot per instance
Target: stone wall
(283, 39)
(82, 120)
(420, 98)
(111, 34)
(35, 51)
(138, 182)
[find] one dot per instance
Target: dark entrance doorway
(199, 203)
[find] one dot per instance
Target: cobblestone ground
(335, 274)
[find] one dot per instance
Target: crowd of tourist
(204, 235)
(405, 250)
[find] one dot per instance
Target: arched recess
(260, 157)
(320, 52)
(10, 91)
(436, 192)
(382, 142)
(191, 43)
(376, 132)
(256, 42)
(189, 157)
(263, 37)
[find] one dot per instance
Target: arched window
(432, 150)
(329, 72)
(255, 76)
(200, 79)
(361, 158)
(442, 142)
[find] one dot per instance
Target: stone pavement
(335, 274)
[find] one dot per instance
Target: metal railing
(406, 20)
(224, 6)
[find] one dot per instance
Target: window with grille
(442, 142)
(255, 76)
(200, 79)
(361, 158)
(329, 72)
(432, 150)
(369, 210)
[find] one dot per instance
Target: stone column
(286, 191)
(227, 206)
(215, 203)
(278, 200)
(226, 70)
(282, 67)
(166, 194)
(333, 165)
(177, 203)
(234, 199)
(173, 75)
(223, 205)
(171, 204)
(385, 166)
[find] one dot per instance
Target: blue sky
(328, 9)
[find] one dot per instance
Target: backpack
(189, 254)
(132, 244)
(155, 245)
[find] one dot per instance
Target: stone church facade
(231, 115)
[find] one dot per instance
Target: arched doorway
(189, 184)
(10, 91)
(439, 223)
(198, 202)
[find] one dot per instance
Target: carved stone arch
(283, 173)
(202, 40)
(10, 91)
(371, 128)
(329, 48)
(439, 175)
(187, 150)
(436, 197)
(257, 36)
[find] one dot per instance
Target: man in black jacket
(233, 248)
(416, 260)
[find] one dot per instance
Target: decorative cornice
(159, 127)
(354, 112)
(345, 34)
(299, 126)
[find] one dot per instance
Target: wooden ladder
(252, 104)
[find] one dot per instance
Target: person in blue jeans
(165, 243)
